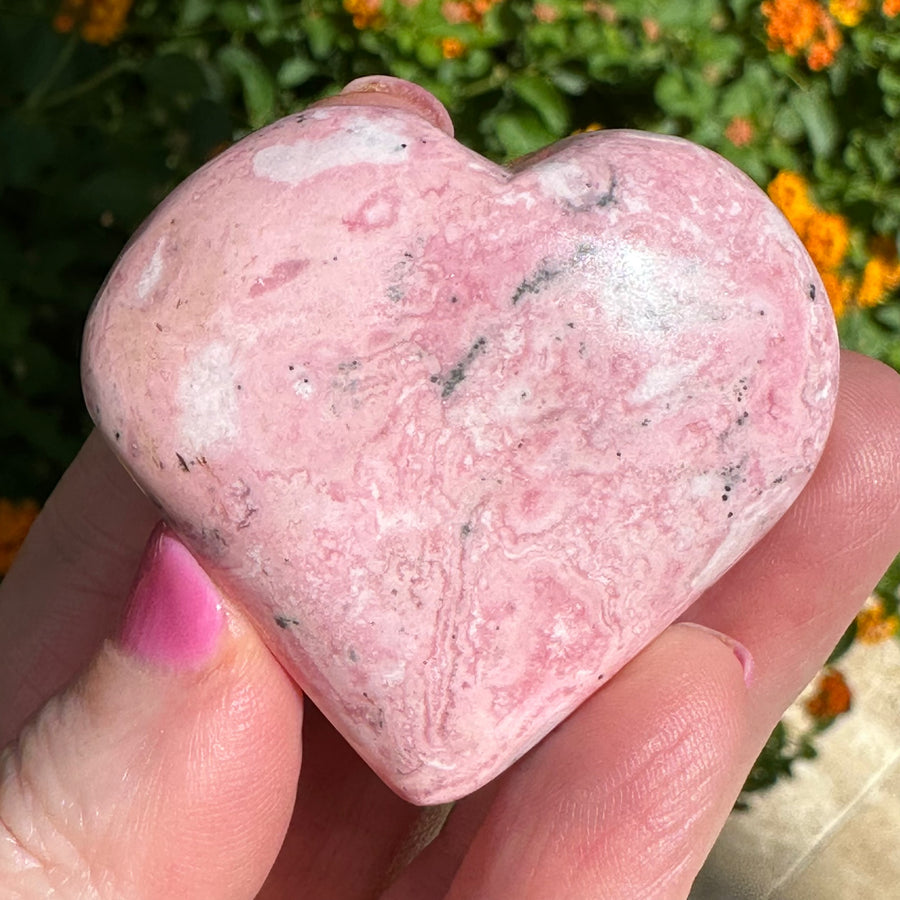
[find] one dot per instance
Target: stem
(33, 101)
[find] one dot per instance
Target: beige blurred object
(830, 832)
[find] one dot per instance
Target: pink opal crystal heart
(462, 439)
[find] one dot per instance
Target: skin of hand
(144, 761)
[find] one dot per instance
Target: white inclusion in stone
(208, 397)
(303, 387)
(362, 141)
(562, 180)
(152, 271)
(650, 295)
(664, 378)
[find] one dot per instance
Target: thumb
(169, 768)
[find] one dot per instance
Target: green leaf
(296, 71)
(544, 98)
(816, 111)
(195, 12)
(256, 80)
(522, 132)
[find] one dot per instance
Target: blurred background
(105, 105)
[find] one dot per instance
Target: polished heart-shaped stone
(462, 439)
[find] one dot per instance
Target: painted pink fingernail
(744, 656)
(174, 616)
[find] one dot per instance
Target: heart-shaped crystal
(462, 439)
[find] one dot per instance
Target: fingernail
(174, 615)
(743, 655)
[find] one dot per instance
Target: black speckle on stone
(352, 655)
(743, 417)
(730, 515)
(159, 327)
(285, 621)
(403, 146)
(619, 454)
(762, 312)
(779, 480)
(645, 423)
(291, 368)
(724, 496)
(600, 677)
(535, 283)
(465, 530)
(118, 435)
(300, 117)
(812, 292)
(570, 324)
(458, 373)
(240, 387)
(183, 463)
(454, 299)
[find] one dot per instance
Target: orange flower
(100, 21)
(823, 50)
(452, 48)
(739, 131)
(826, 236)
(891, 8)
(849, 12)
(796, 26)
(832, 697)
(16, 519)
(839, 290)
(790, 24)
(872, 624)
(472, 11)
(544, 12)
(366, 13)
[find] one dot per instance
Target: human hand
(169, 766)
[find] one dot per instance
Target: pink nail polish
(174, 615)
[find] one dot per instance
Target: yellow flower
(872, 624)
(849, 12)
(790, 193)
(15, 520)
(826, 236)
(832, 696)
(100, 21)
(880, 276)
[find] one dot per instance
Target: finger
(64, 591)
(169, 768)
(347, 825)
(790, 599)
(625, 798)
